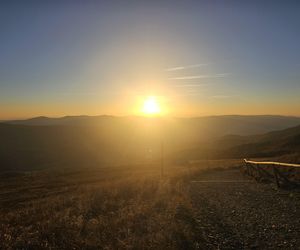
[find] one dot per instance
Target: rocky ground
(235, 212)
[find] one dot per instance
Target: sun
(151, 106)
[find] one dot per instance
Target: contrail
(199, 76)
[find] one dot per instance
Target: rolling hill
(214, 125)
(275, 143)
(85, 141)
(272, 144)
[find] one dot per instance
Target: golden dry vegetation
(109, 208)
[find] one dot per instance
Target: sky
(196, 58)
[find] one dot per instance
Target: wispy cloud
(191, 85)
(221, 96)
(200, 76)
(189, 94)
(188, 66)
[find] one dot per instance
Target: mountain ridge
(231, 124)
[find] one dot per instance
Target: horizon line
(143, 116)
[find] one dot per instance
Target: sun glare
(151, 106)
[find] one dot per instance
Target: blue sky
(101, 57)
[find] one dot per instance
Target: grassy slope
(115, 208)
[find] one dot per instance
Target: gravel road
(235, 212)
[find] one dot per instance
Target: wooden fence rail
(281, 173)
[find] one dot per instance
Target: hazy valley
(72, 142)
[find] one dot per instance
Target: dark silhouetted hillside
(272, 144)
(213, 125)
(85, 141)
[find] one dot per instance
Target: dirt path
(235, 212)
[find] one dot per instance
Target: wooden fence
(282, 174)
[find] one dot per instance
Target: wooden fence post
(276, 176)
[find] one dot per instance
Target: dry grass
(125, 208)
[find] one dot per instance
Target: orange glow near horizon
(151, 104)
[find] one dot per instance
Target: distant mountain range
(44, 142)
(217, 125)
(66, 120)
